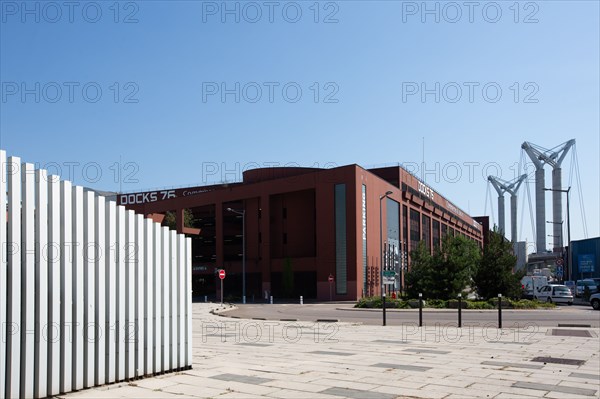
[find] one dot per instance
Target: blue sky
(136, 87)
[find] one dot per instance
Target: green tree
(494, 274)
(447, 272)
(288, 278)
(170, 220)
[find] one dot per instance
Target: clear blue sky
(368, 61)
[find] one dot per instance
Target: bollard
(205, 298)
(420, 310)
(301, 300)
(271, 300)
(499, 310)
(459, 310)
(383, 308)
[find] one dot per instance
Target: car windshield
(586, 283)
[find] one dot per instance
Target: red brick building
(309, 223)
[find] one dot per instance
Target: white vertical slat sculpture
(41, 285)
(91, 292)
(3, 268)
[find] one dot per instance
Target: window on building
(426, 229)
(341, 267)
(415, 229)
(436, 234)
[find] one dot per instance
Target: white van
(530, 284)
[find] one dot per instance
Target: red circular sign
(331, 278)
(222, 274)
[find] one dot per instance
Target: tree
(170, 220)
(447, 272)
(494, 275)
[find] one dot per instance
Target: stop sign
(221, 274)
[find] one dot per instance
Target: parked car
(595, 301)
(530, 285)
(581, 284)
(556, 293)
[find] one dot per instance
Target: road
(344, 312)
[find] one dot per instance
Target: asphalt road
(344, 312)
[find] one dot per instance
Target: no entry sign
(330, 279)
(221, 274)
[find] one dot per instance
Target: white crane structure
(553, 157)
(511, 187)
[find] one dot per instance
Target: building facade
(310, 232)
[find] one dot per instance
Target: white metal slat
(110, 262)
(100, 275)
(188, 300)
(27, 279)
(148, 297)
(139, 295)
(66, 283)
(130, 254)
(54, 285)
(120, 274)
(89, 289)
(166, 328)
(181, 279)
(78, 267)
(173, 299)
(157, 299)
(27, 325)
(41, 285)
(13, 316)
(3, 267)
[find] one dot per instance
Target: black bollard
(384, 308)
(459, 310)
(499, 310)
(420, 310)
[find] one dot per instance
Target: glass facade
(415, 229)
(364, 237)
(436, 234)
(426, 228)
(341, 268)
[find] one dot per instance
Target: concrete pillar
(513, 218)
(501, 218)
(557, 207)
(540, 211)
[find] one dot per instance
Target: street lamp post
(381, 242)
(243, 213)
(569, 267)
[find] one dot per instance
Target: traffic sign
(221, 274)
(559, 261)
(389, 273)
(559, 271)
(330, 279)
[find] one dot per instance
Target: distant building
(520, 251)
(309, 224)
(585, 256)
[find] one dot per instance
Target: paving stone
(357, 394)
(241, 378)
(331, 353)
(508, 364)
(401, 367)
(556, 388)
(432, 351)
(594, 377)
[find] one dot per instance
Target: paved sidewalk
(237, 358)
